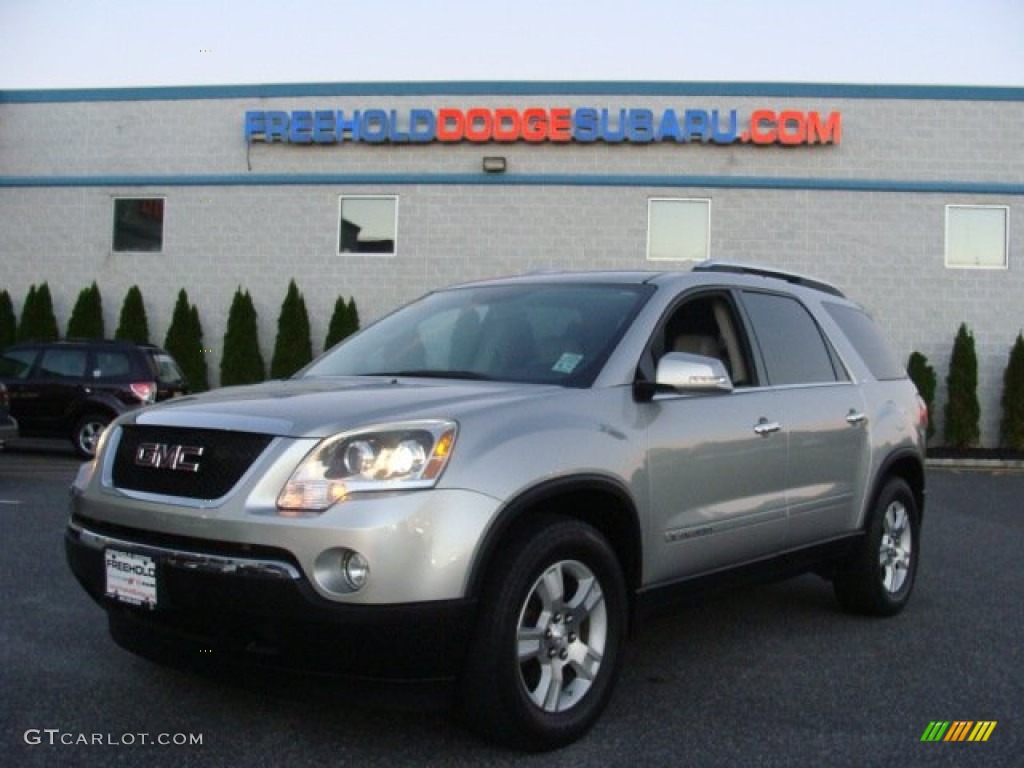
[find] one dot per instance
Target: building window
(678, 229)
(139, 224)
(368, 225)
(977, 236)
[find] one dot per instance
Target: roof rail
(749, 269)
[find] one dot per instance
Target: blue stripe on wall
(511, 88)
(511, 179)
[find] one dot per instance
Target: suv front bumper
(261, 609)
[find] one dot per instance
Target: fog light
(341, 571)
(356, 570)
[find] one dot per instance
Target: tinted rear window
(868, 341)
(63, 363)
(112, 365)
(793, 347)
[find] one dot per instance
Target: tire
(87, 433)
(550, 638)
(880, 578)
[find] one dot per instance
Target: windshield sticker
(567, 362)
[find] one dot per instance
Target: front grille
(224, 459)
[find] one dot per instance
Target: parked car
(75, 388)
(8, 426)
(494, 484)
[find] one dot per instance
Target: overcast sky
(114, 43)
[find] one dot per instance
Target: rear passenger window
(112, 365)
(868, 341)
(794, 350)
(62, 364)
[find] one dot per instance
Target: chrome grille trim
(193, 561)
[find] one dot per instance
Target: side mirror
(683, 372)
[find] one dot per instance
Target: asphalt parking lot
(771, 676)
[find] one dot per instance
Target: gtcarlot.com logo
(958, 730)
(57, 737)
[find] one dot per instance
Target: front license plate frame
(130, 578)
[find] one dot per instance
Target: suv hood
(325, 406)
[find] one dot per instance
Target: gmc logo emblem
(181, 458)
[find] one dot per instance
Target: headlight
(389, 457)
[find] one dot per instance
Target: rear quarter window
(865, 337)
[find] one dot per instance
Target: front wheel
(87, 433)
(880, 578)
(550, 638)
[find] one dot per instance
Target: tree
(241, 361)
(185, 342)
(132, 324)
(353, 315)
(86, 320)
(963, 414)
(8, 321)
(177, 342)
(924, 378)
(47, 320)
(199, 368)
(344, 322)
(37, 319)
(28, 309)
(293, 347)
(1012, 427)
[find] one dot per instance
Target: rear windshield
(872, 347)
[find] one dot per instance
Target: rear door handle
(764, 428)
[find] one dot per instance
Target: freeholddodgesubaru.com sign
(544, 125)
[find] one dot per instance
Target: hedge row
(241, 360)
(962, 410)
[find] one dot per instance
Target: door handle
(764, 428)
(855, 417)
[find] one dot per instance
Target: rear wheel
(881, 577)
(87, 433)
(550, 638)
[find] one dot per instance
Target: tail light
(145, 391)
(922, 414)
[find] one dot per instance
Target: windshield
(543, 334)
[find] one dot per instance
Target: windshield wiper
(432, 373)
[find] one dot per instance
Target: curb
(981, 465)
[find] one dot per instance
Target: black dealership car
(75, 388)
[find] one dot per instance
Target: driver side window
(707, 325)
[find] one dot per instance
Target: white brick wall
(884, 248)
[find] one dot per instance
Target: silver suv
(492, 485)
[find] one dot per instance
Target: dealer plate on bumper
(131, 578)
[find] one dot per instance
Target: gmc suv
(495, 483)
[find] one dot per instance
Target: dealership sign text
(541, 125)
